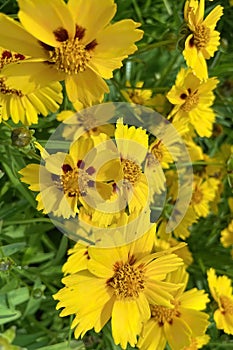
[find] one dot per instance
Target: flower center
(132, 171)
(201, 36)
(197, 196)
(69, 182)
(162, 314)
(136, 98)
(74, 182)
(128, 281)
(70, 56)
(191, 100)
(226, 305)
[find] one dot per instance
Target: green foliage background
(32, 251)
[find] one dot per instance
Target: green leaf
(10, 249)
(7, 315)
(18, 296)
(76, 345)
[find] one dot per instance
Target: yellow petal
(31, 175)
(213, 17)
(178, 334)
(152, 337)
(117, 40)
(87, 87)
(126, 322)
(28, 76)
(15, 38)
(42, 18)
(92, 16)
(196, 320)
(103, 259)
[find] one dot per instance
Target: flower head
(74, 42)
(179, 323)
(119, 283)
(221, 290)
(192, 100)
(64, 180)
(204, 193)
(203, 39)
(137, 95)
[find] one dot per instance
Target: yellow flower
(161, 153)
(64, 180)
(119, 283)
(221, 290)
(179, 323)
(203, 40)
(227, 236)
(25, 104)
(192, 100)
(91, 122)
(74, 42)
(204, 193)
(137, 95)
(136, 188)
(183, 229)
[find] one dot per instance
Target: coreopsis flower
(119, 283)
(221, 290)
(74, 42)
(192, 100)
(91, 122)
(204, 192)
(202, 40)
(136, 187)
(227, 236)
(25, 104)
(137, 94)
(179, 323)
(159, 150)
(64, 180)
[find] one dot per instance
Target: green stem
(5, 123)
(228, 345)
(25, 222)
(3, 5)
(200, 163)
(34, 155)
(168, 68)
(154, 46)
(168, 7)
(137, 10)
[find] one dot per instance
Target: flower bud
(21, 137)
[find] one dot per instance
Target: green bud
(21, 137)
(37, 293)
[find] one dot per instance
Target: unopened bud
(21, 137)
